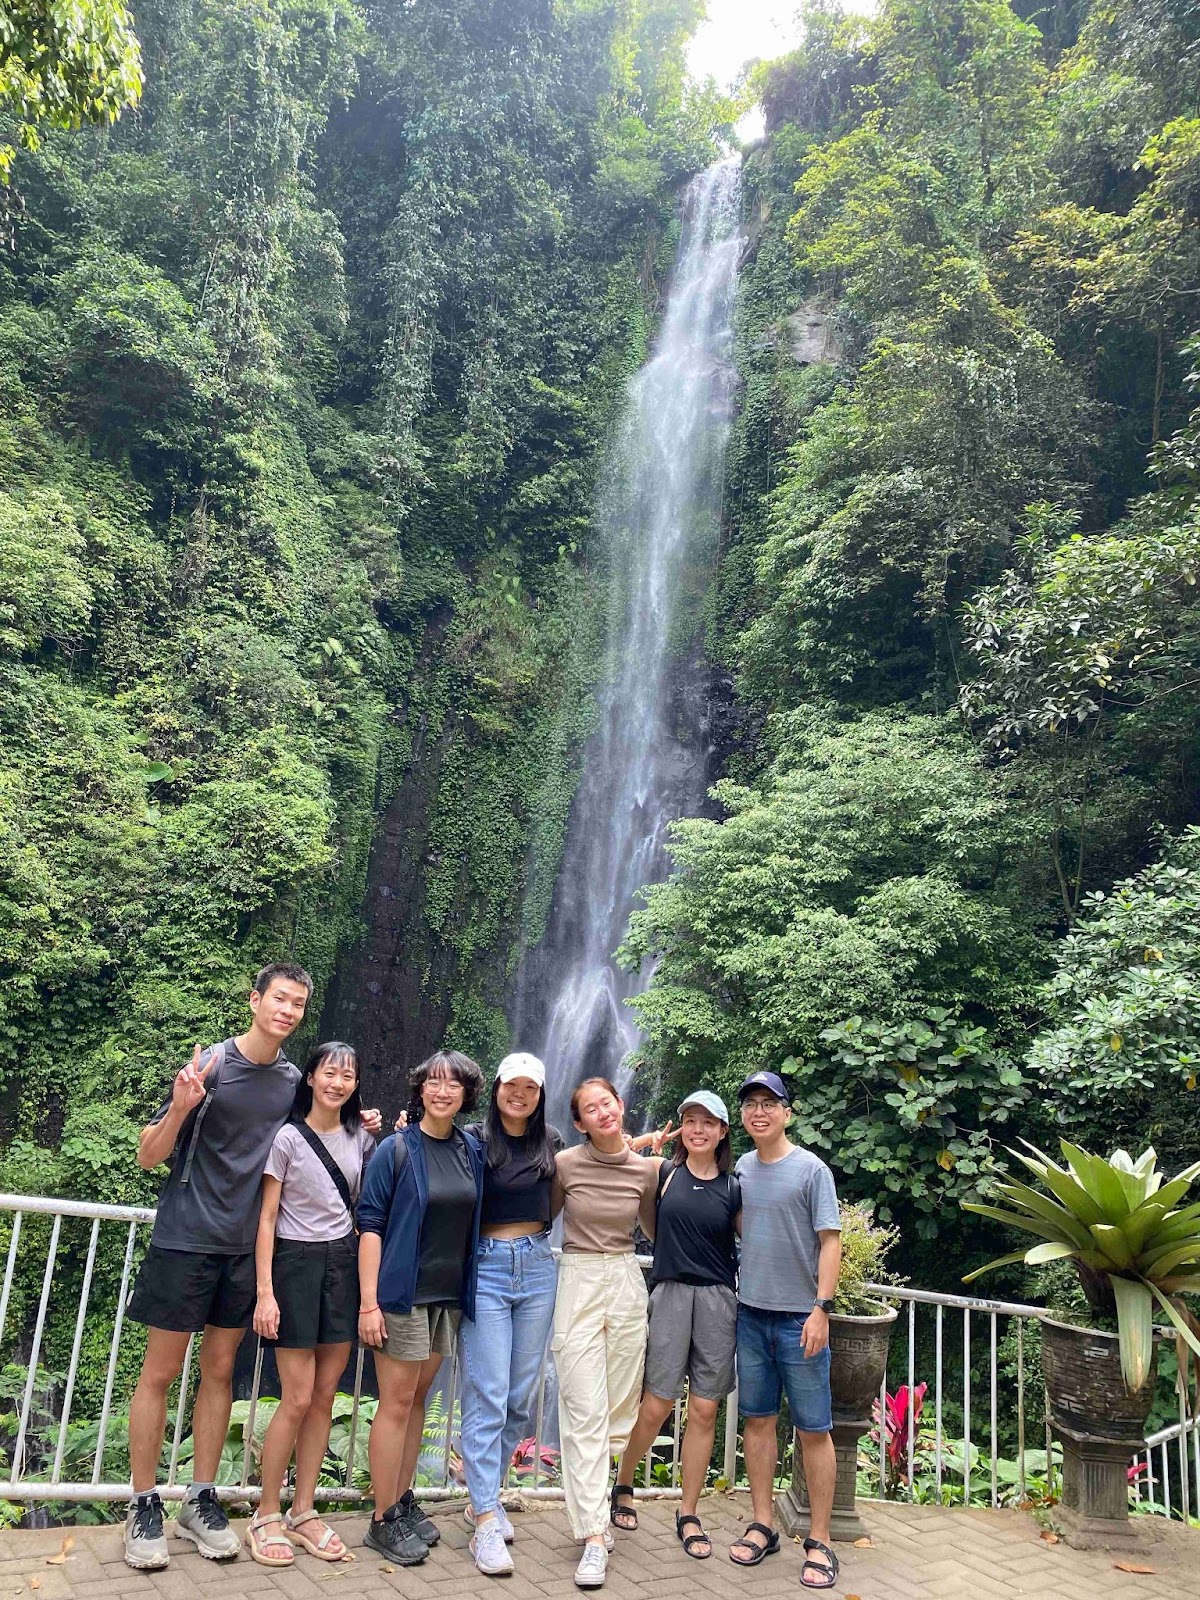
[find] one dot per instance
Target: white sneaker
(592, 1568)
(505, 1526)
(490, 1551)
(202, 1520)
(145, 1539)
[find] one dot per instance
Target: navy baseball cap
(770, 1081)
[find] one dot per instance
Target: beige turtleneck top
(601, 1196)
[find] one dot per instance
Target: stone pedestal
(791, 1505)
(1094, 1512)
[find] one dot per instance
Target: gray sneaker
(202, 1520)
(593, 1567)
(490, 1551)
(145, 1541)
(506, 1527)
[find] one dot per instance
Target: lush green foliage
(64, 63)
(303, 374)
(956, 604)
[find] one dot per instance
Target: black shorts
(184, 1292)
(316, 1289)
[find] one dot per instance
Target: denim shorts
(770, 1362)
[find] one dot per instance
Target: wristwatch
(824, 1305)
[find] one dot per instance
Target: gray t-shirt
(216, 1211)
(310, 1207)
(785, 1205)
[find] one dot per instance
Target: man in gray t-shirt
(791, 1257)
(199, 1270)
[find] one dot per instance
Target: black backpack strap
(216, 1061)
(399, 1157)
(317, 1145)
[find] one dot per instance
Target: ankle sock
(144, 1497)
(195, 1490)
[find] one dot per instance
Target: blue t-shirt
(786, 1205)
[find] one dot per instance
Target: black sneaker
(394, 1543)
(412, 1519)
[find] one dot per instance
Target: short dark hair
(351, 1109)
(289, 971)
(605, 1083)
(444, 1064)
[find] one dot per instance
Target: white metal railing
(965, 1461)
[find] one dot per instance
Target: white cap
(707, 1101)
(521, 1065)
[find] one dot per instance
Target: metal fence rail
(984, 1385)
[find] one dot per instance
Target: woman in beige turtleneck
(602, 1188)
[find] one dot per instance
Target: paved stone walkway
(918, 1553)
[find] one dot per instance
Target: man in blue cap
(791, 1257)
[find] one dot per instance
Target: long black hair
(351, 1107)
(538, 1143)
(444, 1064)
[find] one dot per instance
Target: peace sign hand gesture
(189, 1089)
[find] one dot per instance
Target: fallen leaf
(386, 1568)
(864, 1544)
(68, 1545)
(1050, 1538)
(854, 1596)
(35, 1582)
(1132, 1566)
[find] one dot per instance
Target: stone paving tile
(917, 1553)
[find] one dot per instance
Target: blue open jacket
(396, 1212)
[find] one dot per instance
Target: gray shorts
(693, 1334)
(426, 1331)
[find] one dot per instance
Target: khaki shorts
(426, 1331)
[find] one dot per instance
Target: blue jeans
(771, 1359)
(502, 1353)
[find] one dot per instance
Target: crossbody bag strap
(317, 1145)
(216, 1061)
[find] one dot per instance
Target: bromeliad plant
(1132, 1242)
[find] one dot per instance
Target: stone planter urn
(1100, 1426)
(858, 1348)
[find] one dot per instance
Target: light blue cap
(707, 1101)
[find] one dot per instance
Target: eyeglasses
(761, 1105)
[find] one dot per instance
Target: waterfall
(647, 762)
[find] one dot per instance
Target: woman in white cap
(503, 1347)
(693, 1309)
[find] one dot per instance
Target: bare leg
(761, 1450)
(313, 1437)
(820, 1473)
(697, 1449)
(428, 1371)
(652, 1413)
(214, 1400)
(296, 1370)
(386, 1441)
(148, 1408)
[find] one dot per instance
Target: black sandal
(829, 1574)
(689, 1539)
(616, 1510)
(761, 1551)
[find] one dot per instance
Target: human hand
(372, 1120)
(660, 1137)
(266, 1316)
(814, 1335)
(189, 1087)
(402, 1122)
(371, 1328)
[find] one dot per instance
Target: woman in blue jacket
(419, 1224)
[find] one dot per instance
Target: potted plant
(860, 1332)
(1136, 1248)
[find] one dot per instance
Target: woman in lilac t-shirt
(306, 1259)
